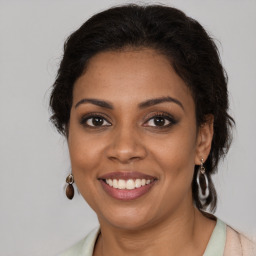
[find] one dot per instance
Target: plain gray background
(35, 216)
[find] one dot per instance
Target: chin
(128, 218)
(128, 223)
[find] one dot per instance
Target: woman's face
(133, 126)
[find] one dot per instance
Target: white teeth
(138, 183)
(127, 184)
(121, 184)
(109, 182)
(130, 184)
(115, 183)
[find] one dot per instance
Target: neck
(186, 232)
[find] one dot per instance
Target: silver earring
(70, 189)
(202, 182)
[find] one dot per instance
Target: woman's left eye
(160, 121)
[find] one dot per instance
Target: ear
(204, 139)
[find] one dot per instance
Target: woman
(141, 97)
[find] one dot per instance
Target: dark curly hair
(190, 50)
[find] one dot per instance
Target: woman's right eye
(95, 121)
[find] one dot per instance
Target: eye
(95, 121)
(160, 121)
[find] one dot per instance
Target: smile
(127, 185)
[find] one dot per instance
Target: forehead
(130, 75)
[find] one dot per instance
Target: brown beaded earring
(70, 189)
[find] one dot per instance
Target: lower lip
(126, 194)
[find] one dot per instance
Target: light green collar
(215, 246)
(217, 241)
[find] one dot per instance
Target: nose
(126, 146)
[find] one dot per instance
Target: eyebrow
(144, 104)
(156, 101)
(100, 103)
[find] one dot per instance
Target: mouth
(127, 185)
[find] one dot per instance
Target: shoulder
(238, 244)
(84, 247)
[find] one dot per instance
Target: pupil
(97, 121)
(159, 121)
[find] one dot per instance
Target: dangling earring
(70, 189)
(202, 182)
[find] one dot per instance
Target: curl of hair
(181, 39)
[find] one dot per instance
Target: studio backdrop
(36, 219)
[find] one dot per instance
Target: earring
(202, 182)
(70, 189)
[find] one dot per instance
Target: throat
(179, 237)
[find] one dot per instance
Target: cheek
(85, 158)
(83, 149)
(176, 150)
(175, 156)
(82, 153)
(85, 162)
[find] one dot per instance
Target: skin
(164, 220)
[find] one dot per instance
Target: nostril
(125, 158)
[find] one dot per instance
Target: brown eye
(160, 121)
(95, 121)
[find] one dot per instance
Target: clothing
(224, 241)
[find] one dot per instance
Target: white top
(223, 241)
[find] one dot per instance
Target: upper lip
(126, 175)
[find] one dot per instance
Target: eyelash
(87, 117)
(163, 115)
